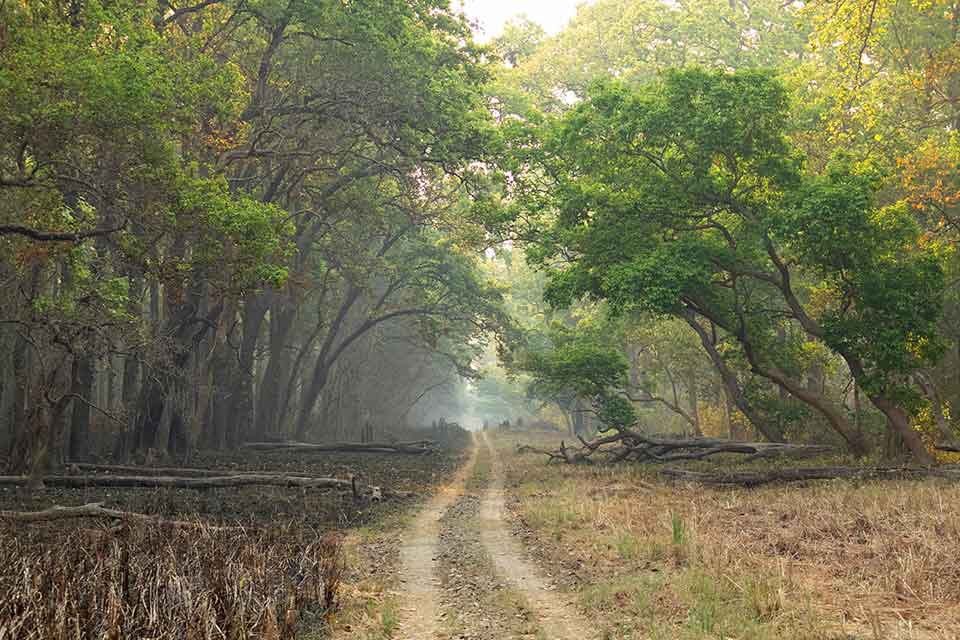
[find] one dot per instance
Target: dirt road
(557, 618)
(503, 563)
(418, 561)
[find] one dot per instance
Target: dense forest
(686, 229)
(228, 221)
(234, 221)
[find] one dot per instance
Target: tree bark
(79, 447)
(729, 379)
(241, 422)
(899, 420)
(694, 403)
(282, 316)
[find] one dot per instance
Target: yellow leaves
(823, 298)
(930, 176)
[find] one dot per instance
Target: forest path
(557, 619)
(419, 619)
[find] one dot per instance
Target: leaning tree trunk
(899, 422)
(854, 438)
(834, 415)
(730, 382)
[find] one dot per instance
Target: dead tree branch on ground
(757, 478)
(414, 447)
(632, 444)
(97, 510)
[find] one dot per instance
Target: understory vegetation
(649, 559)
(183, 582)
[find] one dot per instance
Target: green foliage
(232, 230)
(685, 195)
(566, 364)
(578, 364)
(881, 293)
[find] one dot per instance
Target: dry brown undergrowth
(828, 560)
(165, 583)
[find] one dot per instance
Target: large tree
(684, 197)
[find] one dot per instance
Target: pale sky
(553, 15)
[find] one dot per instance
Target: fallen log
(417, 447)
(185, 472)
(632, 444)
(97, 510)
(950, 447)
(201, 483)
(103, 480)
(757, 478)
(669, 449)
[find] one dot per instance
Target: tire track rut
(419, 619)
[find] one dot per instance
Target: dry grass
(873, 560)
(165, 583)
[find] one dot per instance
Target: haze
(493, 14)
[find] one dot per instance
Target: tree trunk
(694, 403)
(282, 316)
(79, 447)
(730, 381)
(188, 331)
(308, 401)
(241, 423)
(936, 407)
(835, 416)
(899, 422)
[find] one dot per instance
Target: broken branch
(97, 510)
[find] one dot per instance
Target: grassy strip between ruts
(826, 560)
